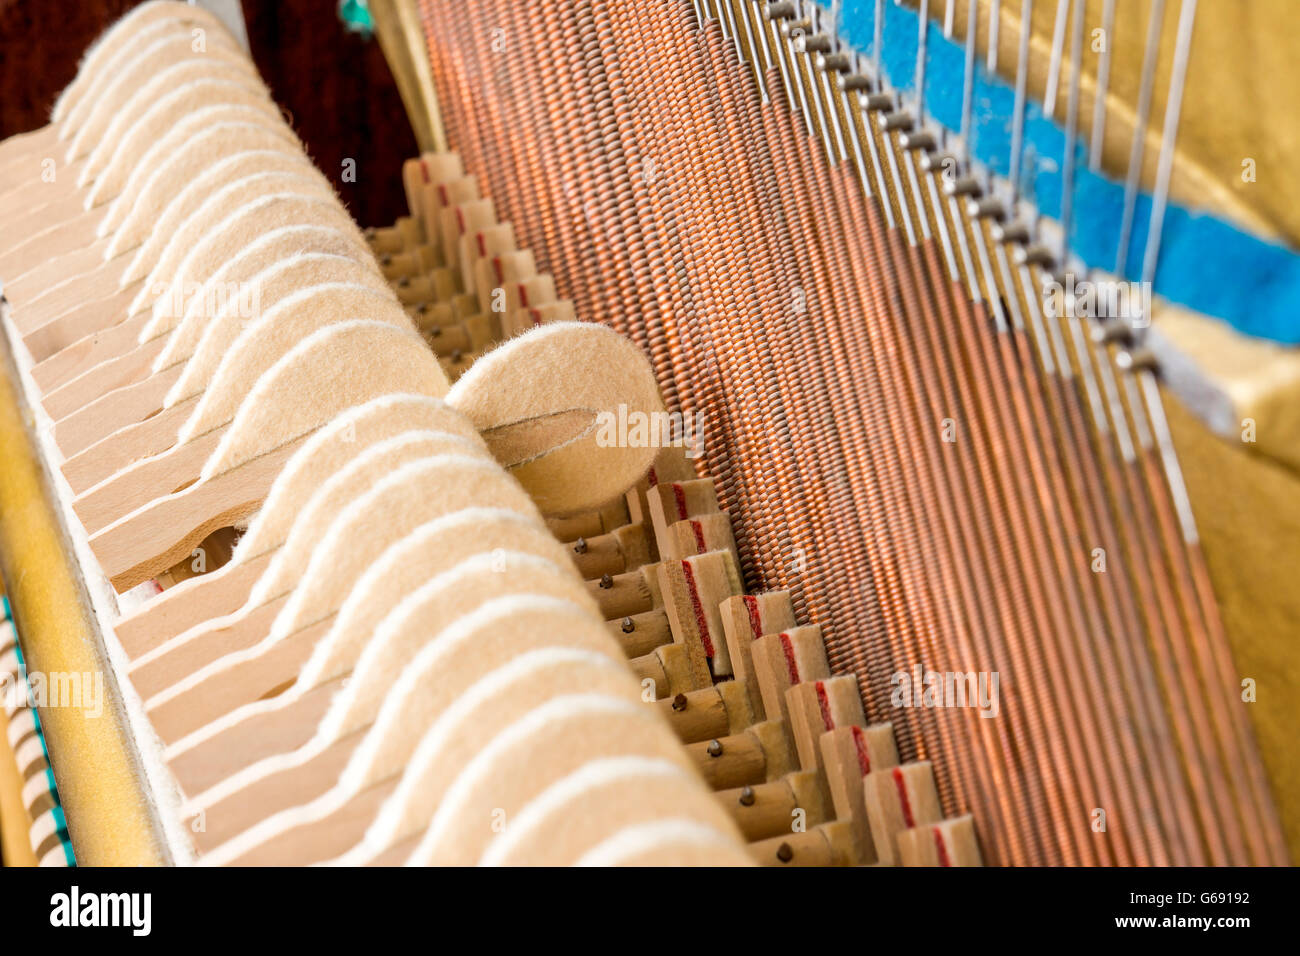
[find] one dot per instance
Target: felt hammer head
(548, 404)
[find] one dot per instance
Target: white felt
(102, 52)
(644, 838)
(175, 47)
(404, 567)
(117, 59)
(354, 540)
(148, 95)
(351, 483)
(397, 674)
(274, 333)
(226, 170)
(553, 801)
(400, 570)
(513, 681)
(564, 372)
(160, 174)
(329, 449)
(180, 169)
(257, 295)
(225, 239)
(265, 252)
(547, 720)
(335, 368)
(224, 200)
(161, 117)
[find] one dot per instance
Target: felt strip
(102, 52)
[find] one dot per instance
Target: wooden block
(703, 533)
(410, 262)
(827, 845)
(673, 501)
(529, 293)
(759, 753)
(746, 618)
(897, 799)
(693, 590)
(681, 674)
(705, 713)
(493, 273)
(950, 842)
(422, 175)
(772, 809)
(443, 196)
(793, 656)
(590, 523)
(633, 592)
(615, 552)
(848, 755)
(641, 633)
(818, 706)
(479, 244)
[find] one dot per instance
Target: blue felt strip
(1206, 264)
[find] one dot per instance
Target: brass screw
(715, 748)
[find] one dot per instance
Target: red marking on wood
(680, 494)
(496, 268)
(652, 477)
(860, 745)
(443, 199)
(825, 703)
(699, 536)
(755, 621)
(791, 664)
(905, 803)
(536, 316)
(523, 295)
(460, 220)
(701, 622)
(944, 858)
(424, 170)
(482, 244)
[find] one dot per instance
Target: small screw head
(679, 704)
(715, 748)
(747, 797)
(580, 546)
(785, 853)
(628, 625)
(606, 582)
